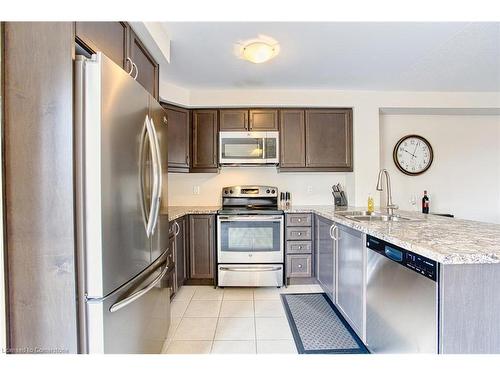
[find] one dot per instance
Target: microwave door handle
(264, 156)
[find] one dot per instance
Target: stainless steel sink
(365, 216)
(379, 218)
(357, 213)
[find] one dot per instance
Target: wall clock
(413, 155)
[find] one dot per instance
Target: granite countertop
(175, 212)
(445, 240)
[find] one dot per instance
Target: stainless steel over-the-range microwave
(248, 147)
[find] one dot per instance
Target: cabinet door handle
(136, 70)
(332, 231)
(131, 65)
(300, 266)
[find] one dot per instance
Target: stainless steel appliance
(237, 148)
(402, 300)
(124, 263)
(250, 239)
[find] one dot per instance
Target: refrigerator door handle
(156, 196)
(126, 301)
(141, 178)
(148, 217)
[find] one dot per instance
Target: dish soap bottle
(425, 203)
(371, 206)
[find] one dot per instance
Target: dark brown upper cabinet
(292, 139)
(329, 139)
(146, 69)
(118, 41)
(178, 138)
(233, 119)
(204, 146)
(263, 119)
(109, 37)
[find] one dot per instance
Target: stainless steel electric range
(250, 239)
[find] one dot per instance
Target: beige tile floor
(231, 321)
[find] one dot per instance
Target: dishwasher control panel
(418, 263)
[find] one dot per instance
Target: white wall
(180, 186)
(464, 178)
(366, 106)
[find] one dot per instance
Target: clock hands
(415, 149)
(409, 153)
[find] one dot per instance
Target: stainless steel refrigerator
(124, 263)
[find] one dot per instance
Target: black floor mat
(318, 327)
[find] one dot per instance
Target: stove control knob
(225, 191)
(268, 191)
(273, 191)
(230, 192)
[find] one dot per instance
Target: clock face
(413, 155)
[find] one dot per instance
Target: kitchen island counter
(445, 240)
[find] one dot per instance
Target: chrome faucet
(390, 206)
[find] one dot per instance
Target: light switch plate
(196, 190)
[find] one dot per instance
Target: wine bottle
(425, 203)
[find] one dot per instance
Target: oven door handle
(251, 269)
(251, 218)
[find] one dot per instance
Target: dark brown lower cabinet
(171, 277)
(180, 230)
(201, 247)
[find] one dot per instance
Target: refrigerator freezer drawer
(134, 319)
(250, 275)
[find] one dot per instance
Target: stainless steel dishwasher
(401, 300)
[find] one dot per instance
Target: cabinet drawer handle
(299, 234)
(300, 247)
(299, 220)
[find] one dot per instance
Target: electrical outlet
(196, 190)
(309, 189)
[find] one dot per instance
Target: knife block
(340, 201)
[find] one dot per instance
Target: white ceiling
(339, 56)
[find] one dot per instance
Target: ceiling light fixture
(259, 50)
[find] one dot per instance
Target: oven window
(242, 148)
(254, 236)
